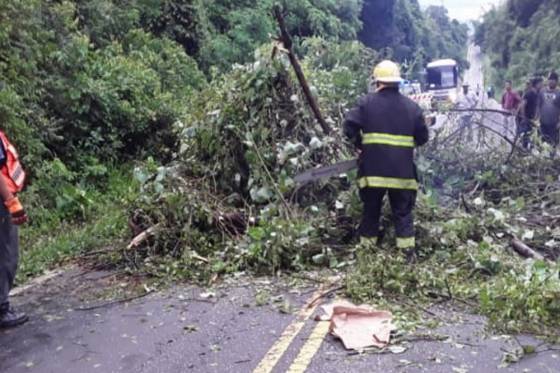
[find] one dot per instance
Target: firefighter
(12, 214)
(386, 127)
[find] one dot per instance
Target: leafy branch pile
(228, 202)
(230, 196)
(479, 196)
(88, 88)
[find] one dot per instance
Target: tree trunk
(287, 41)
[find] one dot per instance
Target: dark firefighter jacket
(387, 126)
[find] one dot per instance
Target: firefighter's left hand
(15, 208)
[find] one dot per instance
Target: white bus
(442, 80)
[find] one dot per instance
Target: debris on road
(358, 327)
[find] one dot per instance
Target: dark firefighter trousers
(8, 256)
(402, 204)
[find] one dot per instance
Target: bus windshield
(442, 77)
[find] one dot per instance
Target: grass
(55, 238)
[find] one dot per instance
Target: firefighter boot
(411, 256)
(9, 318)
(369, 243)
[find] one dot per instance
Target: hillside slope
(522, 39)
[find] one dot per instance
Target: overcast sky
(463, 9)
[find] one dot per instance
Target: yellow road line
(310, 348)
(274, 355)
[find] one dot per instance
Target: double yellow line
(308, 350)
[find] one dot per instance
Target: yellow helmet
(387, 72)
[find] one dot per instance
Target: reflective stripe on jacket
(387, 183)
(387, 126)
(12, 171)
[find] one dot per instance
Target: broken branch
(139, 239)
(288, 44)
(524, 250)
(113, 302)
(324, 295)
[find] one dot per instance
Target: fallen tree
(229, 203)
(230, 192)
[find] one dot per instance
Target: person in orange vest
(12, 214)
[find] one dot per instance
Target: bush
(121, 99)
(77, 96)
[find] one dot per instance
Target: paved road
(474, 77)
(179, 330)
(495, 126)
(499, 123)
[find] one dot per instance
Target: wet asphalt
(183, 330)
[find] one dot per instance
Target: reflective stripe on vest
(406, 243)
(387, 182)
(372, 241)
(388, 139)
(12, 172)
(18, 175)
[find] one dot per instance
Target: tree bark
(525, 251)
(287, 41)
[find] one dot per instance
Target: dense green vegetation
(88, 88)
(103, 224)
(522, 39)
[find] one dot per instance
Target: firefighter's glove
(16, 210)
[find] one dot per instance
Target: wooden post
(287, 41)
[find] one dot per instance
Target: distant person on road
(387, 126)
(528, 87)
(12, 214)
(467, 101)
(511, 102)
(548, 111)
(511, 99)
(529, 112)
(491, 92)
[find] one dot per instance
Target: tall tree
(522, 39)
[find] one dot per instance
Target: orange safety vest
(12, 172)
